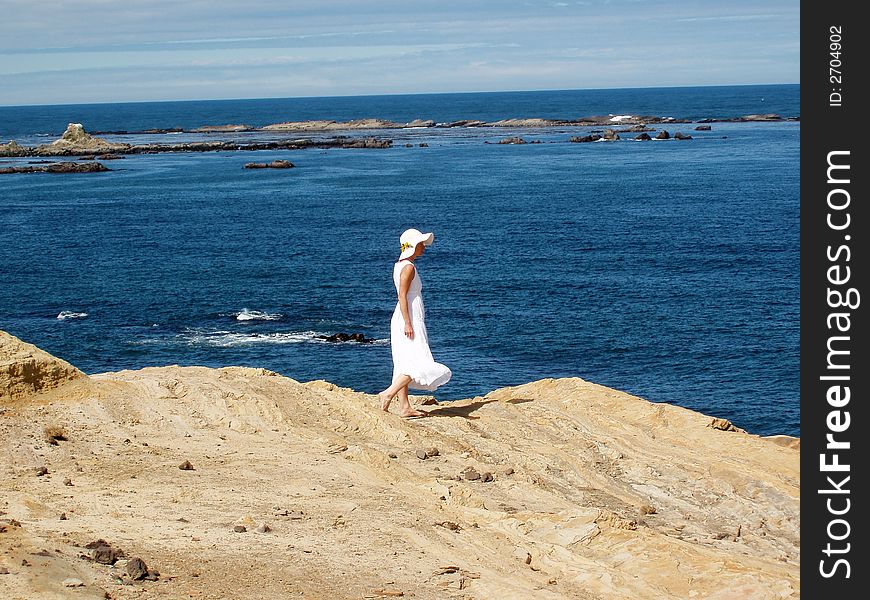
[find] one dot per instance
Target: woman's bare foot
(413, 413)
(385, 401)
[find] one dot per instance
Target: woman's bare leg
(405, 408)
(401, 382)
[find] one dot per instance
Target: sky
(83, 51)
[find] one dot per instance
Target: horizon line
(656, 87)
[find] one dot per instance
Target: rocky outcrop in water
(324, 125)
(12, 148)
(512, 140)
(57, 167)
(747, 118)
(593, 137)
(75, 141)
(80, 143)
(275, 164)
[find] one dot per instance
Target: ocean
(667, 269)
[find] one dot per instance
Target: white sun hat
(409, 240)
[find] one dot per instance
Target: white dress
(412, 356)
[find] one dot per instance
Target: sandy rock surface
(241, 483)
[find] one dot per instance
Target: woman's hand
(405, 278)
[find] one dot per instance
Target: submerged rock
(346, 337)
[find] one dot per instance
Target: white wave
(68, 314)
(230, 339)
(256, 315)
(618, 118)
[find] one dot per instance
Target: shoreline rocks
(653, 484)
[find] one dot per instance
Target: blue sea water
(667, 269)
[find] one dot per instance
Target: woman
(413, 365)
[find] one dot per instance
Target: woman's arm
(405, 279)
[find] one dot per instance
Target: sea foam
(68, 314)
(256, 315)
(230, 339)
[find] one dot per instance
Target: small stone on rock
(471, 474)
(432, 451)
(421, 454)
(136, 568)
(40, 471)
(186, 466)
(73, 582)
(240, 529)
(263, 528)
(54, 433)
(105, 554)
(67, 481)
